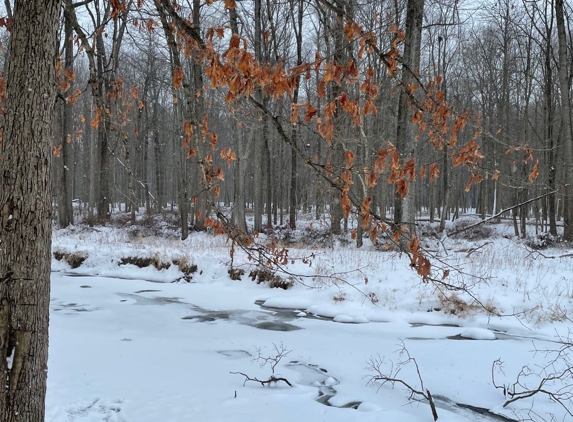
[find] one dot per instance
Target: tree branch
(272, 379)
(501, 213)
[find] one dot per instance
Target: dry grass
(74, 259)
(236, 273)
(185, 266)
(274, 280)
(339, 298)
(452, 304)
(143, 262)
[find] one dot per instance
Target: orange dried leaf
(178, 77)
(310, 112)
(365, 221)
(96, 120)
(188, 127)
(534, 173)
(414, 245)
(349, 155)
(410, 169)
(321, 89)
(402, 187)
(434, 172)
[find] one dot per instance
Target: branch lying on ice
(272, 379)
(272, 361)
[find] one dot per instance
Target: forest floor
(146, 327)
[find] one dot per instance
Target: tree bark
(259, 156)
(548, 115)
(180, 153)
(297, 26)
(65, 210)
(340, 120)
(405, 208)
(25, 206)
(566, 122)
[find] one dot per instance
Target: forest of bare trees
(144, 124)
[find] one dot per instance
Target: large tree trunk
(340, 120)
(297, 25)
(180, 153)
(196, 103)
(103, 132)
(25, 204)
(548, 115)
(92, 165)
(65, 210)
(239, 193)
(239, 204)
(566, 122)
(259, 156)
(405, 208)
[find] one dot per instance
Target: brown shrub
(145, 262)
(74, 259)
(274, 280)
(236, 273)
(185, 266)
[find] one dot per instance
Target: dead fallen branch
(271, 361)
(499, 214)
(272, 379)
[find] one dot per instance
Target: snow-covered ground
(141, 344)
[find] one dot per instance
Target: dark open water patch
(78, 275)
(235, 354)
(314, 375)
(70, 308)
(263, 320)
(151, 300)
(443, 402)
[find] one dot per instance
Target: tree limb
(501, 213)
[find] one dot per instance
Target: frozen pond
(132, 350)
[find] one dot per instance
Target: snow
(136, 344)
(478, 334)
